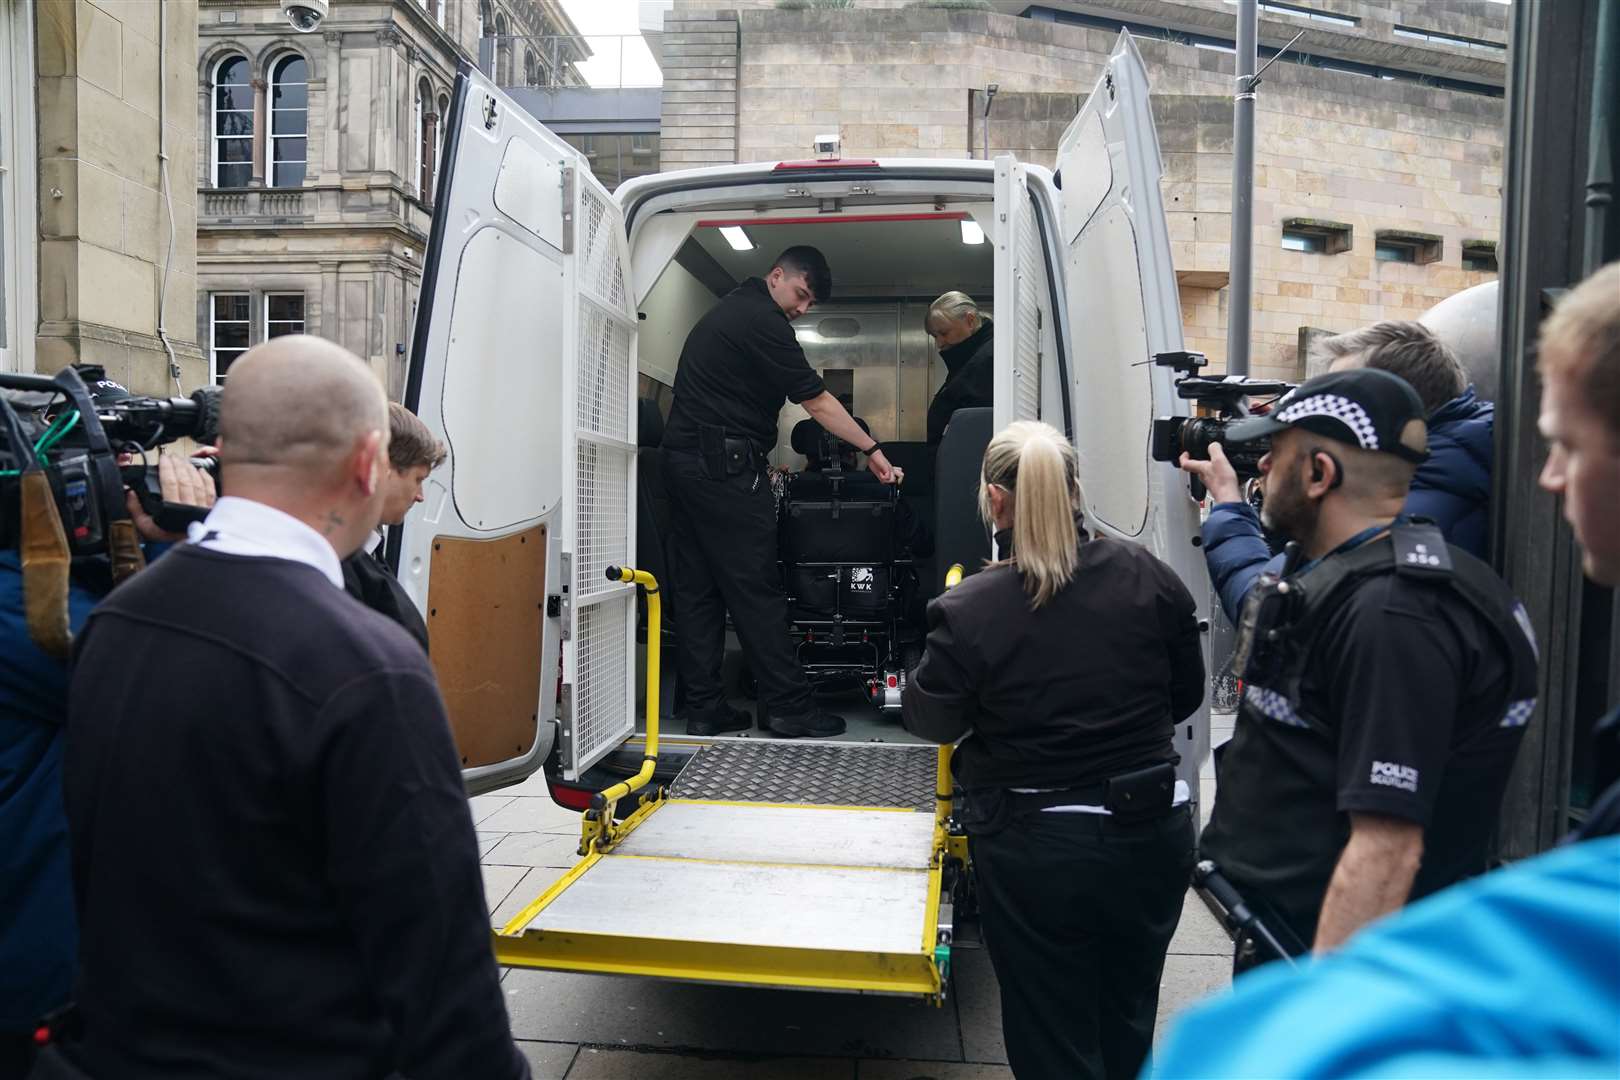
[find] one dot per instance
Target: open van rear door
(1123, 309)
(523, 363)
(1020, 280)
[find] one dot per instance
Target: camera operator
(38, 931)
(1386, 678)
(413, 453)
(274, 863)
(1451, 487)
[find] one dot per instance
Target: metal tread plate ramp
(838, 889)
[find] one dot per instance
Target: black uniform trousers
(1078, 914)
(723, 557)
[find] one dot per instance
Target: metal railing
(553, 61)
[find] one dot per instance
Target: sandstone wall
(103, 223)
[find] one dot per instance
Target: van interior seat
(960, 534)
(916, 460)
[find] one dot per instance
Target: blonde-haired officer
(1066, 665)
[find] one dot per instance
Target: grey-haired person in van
(1063, 669)
(963, 336)
(739, 364)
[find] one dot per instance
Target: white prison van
(551, 319)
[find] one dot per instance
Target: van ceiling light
(971, 232)
(736, 237)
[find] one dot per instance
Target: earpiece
(1316, 468)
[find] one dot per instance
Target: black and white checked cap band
(1365, 407)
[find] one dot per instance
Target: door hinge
(568, 210)
(565, 606)
(491, 110)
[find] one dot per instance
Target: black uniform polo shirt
(739, 362)
(1404, 711)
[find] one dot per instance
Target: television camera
(1229, 397)
(73, 429)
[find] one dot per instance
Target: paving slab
(535, 849)
(1189, 980)
(534, 784)
(534, 881)
(929, 1070)
(487, 840)
(603, 1011)
(529, 813)
(499, 882)
(1200, 933)
(482, 806)
(594, 1063)
(548, 1061)
(978, 1007)
(532, 813)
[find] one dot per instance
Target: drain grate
(814, 774)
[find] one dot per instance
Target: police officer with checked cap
(1387, 677)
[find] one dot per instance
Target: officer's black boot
(718, 720)
(815, 724)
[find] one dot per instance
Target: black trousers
(1078, 914)
(723, 557)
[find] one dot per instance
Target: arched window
(503, 51)
(426, 157)
(438, 132)
(289, 121)
(529, 73)
(233, 122)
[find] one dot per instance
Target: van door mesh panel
(602, 513)
(603, 390)
(603, 508)
(602, 699)
(599, 270)
(1028, 315)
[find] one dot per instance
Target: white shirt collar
(238, 526)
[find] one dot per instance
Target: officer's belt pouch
(723, 455)
(45, 563)
(739, 456)
(984, 811)
(1141, 795)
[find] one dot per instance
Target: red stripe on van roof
(827, 219)
(827, 163)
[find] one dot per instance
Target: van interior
(868, 342)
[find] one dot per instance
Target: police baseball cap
(1364, 407)
(103, 391)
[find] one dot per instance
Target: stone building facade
(1378, 159)
(94, 101)
(319, 159)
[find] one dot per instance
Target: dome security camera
(305, 15)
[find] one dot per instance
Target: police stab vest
(1282, 617)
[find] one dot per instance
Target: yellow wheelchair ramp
(836, 888)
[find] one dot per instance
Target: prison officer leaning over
(739, 363)
(1387, 677)
(1066, 667)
